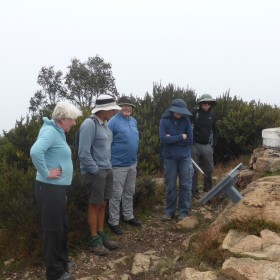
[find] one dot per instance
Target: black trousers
(51, 202)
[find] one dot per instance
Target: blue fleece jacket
(124, 147)
(170, 133)
(51, 151)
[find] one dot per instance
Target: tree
(86, 81)
(52, 91)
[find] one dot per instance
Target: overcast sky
(209, 46)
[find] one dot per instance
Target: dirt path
(153, 235)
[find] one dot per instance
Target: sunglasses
(205, 102)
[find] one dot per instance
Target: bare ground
(153, 235)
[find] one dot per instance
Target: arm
(37, 153)
(189, 132)
(87, 136)
(164, 135)
(214, 130)
(111, 125)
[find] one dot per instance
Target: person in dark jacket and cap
(175, 132)
(205, 138)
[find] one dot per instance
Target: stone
(189, 222)
(244, 178)
(192, 274)
(247, 268)
(141, 264)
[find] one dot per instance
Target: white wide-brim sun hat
(105, 102)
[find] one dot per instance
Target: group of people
(107, 150)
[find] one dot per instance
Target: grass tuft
(254, 226)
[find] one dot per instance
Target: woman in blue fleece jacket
(51, 156)
(175, 132)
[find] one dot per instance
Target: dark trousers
(51, 202)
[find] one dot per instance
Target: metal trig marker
(225, 186)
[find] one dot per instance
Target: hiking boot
(116, 229)
(96, 246)
(66, 276)
(99, 250)
(134, 222)
(166, 218)
(107, 242)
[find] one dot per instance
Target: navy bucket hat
(179, 106)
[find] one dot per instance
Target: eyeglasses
(205, 102)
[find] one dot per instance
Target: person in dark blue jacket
(175, 132)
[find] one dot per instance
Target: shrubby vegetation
(239, 128)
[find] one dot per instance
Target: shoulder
(164, 120)
(49, 130)
(112, 122)
(194, 112)
(212, 115)
(185, 120)
(133, 120)
(88, 123)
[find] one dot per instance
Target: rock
(124, 277)
(205, 212)
(192, 274)
(244, 178)
(269, 238)
(243, 243)
(189, 222)
(261, 201)
(141, 264)
(268, 164)
(259, 152)
(265, 160)
(9, 261)
(267, 246)
(246, 268)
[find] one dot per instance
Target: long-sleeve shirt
(125, 140)
(94, 146)
(51, 151)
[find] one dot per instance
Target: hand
(54, 173)
(184, 136)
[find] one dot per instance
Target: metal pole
(198, 168)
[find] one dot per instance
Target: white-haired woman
(51, 156)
